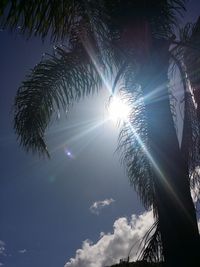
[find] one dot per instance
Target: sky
(78, 208)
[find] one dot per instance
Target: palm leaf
(60, 18)
(161, 14)
(133, 140)
(39, 17)
(42, 18)
(62, 79)
(192, 60)
(187, 57)
(54, 83)
(152, 250)
(57, 19)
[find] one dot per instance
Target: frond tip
(153, 248)
(55, 83)
(133, 144)
(41, 18)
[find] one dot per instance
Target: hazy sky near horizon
(49, 207)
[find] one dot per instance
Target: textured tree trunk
(176, 212)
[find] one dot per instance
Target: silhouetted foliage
(138, 264)
(133, 45)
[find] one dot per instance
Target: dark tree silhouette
(133, 43)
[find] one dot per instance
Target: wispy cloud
(22, 251)
(2, 248)
(111, 247)
(97, 206)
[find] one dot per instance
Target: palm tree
(133, 43)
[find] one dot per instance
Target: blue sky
(46, 205)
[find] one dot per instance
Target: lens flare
(68, 153)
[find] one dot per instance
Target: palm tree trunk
(174, 205)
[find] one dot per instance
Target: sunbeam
(88, 129)
(156, 167)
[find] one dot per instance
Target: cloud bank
(97, 206)
(111, 247)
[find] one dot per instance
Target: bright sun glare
(119, 110)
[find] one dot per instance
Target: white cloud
(2, 248)
(22, 251)
(111, 247)
(97, 206)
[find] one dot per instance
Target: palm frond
(58, 19)
(3, 5)
(54, 83)
(161, 14)
(192, 61)
(187, 58)
(165, 17)
(187, 50)
(133, 142)
(192, 141)
(190, 147)
(41, 17)
(152, 250)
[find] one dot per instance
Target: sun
(119, 110)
